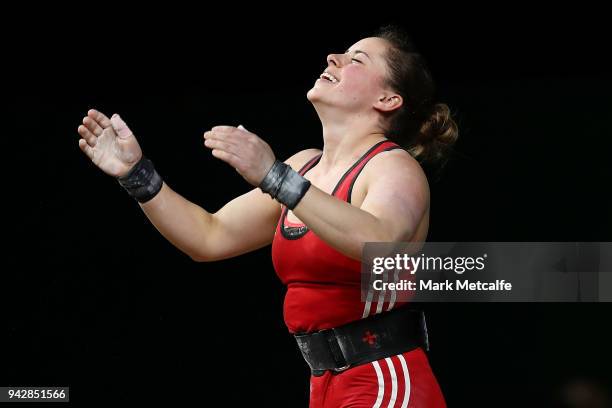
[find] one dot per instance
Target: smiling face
(355, 81)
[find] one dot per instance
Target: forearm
(340, 224)
(183, 223)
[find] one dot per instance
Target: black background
(94, 298)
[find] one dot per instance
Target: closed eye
(356, 60)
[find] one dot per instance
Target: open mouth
(329, 77)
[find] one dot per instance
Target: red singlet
(324, 291)
(323, 285)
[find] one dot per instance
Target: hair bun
(437, 134)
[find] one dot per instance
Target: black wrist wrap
(142, 181)
(285, 184)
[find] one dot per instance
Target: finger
(89, 137)
(92, 126)
(227, 157)
(223, 129)
(88, 150)
(219, 144)
(99, 117)
(227, 138)
(121, 128)
(214, 135)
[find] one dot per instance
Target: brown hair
(422, 126)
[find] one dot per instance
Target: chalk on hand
(123, 131)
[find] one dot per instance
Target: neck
(346, 138)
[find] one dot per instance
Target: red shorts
(401, 381)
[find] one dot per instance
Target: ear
(388, 102)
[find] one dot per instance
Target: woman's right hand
(109, 143)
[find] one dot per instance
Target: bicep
(398, 199)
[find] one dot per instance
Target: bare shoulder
(398, 170)
(396, 158)
(298, 160)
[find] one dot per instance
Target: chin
(312, 95)
(316, 94)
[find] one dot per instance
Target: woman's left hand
(241, 149)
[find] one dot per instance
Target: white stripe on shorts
(406, 380)
(381, 385)
(393, 383)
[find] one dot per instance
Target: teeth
(329, 76)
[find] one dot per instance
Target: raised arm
(395, 204)
(244, 224)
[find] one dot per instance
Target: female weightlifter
(380, 123)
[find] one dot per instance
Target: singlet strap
(345, 188)
(309, 164)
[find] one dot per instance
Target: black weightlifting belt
(363, 341)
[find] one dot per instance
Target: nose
(334, 59)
